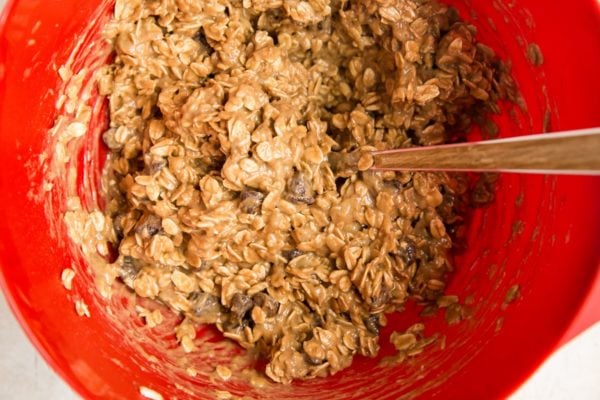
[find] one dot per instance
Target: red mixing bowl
(542, 233)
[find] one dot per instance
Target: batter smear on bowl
(227, 193)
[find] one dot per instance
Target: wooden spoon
(573, 152)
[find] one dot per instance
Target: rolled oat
(67, 275)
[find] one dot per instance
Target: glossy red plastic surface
(541, 233)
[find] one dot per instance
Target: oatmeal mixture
(228, 188)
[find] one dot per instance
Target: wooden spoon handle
(572, 152)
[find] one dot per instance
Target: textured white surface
(572, 373)
(23, 372)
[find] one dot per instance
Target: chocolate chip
(206, 307)
(269, 305)
(233, 326)
(394, 184)
(382, 298)
(148, 225)
(291, 254)
(449, 208)
(129, 270)
(200, 37)
(297, 185)
(408, 252)
(299, 189)
(240, 305)
(372, 323)
(305, 200)
(251, 201)
(155, 164)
